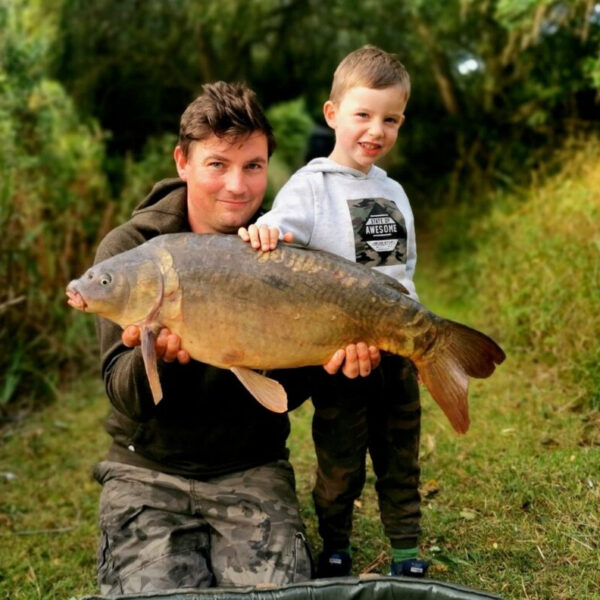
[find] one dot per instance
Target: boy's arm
(293, 210)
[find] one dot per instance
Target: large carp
(240, 309)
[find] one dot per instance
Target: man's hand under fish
(354, 360)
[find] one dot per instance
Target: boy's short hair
(227, 110)
(371, 67)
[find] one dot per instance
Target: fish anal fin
(148, 338)
(268, 392)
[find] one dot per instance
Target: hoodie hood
(161, 190)
(326, 165)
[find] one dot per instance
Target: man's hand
(354, 360)
(263, 237)
(168, 345)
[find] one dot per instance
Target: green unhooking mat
(349, 588)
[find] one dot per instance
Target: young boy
(346, 205)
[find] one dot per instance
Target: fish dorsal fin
(270, 393)
(148, 335)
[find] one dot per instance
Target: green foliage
(495, 84)
(154, 163)
(292, 126)
(50, 161)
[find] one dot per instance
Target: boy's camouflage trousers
(161, 531)
(380, 414)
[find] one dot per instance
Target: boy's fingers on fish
(335, 362)
(375, 356)
(364, 359)
(266, 235)
(274, 237)
(254, 236)
(351, 367)
(131, 336)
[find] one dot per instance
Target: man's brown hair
(371, 67)
(227, 110)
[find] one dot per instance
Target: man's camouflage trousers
(161, 531)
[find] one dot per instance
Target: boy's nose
(376, 128)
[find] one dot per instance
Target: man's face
(226, 181)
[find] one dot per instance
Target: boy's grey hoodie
(365, 218)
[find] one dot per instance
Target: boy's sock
(400, 554)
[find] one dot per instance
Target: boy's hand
(262, 237)
(354, 360)
(168, 345)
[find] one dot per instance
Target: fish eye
(105, 279)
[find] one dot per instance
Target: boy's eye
(392, 120)
(362, 115)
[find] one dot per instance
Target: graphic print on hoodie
(379, 232)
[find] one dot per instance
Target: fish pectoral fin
(148, 335)
(270, 393)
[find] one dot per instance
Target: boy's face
(366, 123)
(226, 181)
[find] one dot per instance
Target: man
(197, 490)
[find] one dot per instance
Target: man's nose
(235, 182)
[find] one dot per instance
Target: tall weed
(532, 264)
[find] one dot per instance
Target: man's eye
(254, 166)
(215, 164)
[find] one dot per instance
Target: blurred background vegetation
(505, 99)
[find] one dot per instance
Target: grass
(48, 500)
(510, 508)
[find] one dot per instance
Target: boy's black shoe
(412, 567)
(334, 564)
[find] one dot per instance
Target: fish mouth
(75, 299)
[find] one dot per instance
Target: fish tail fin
(460, 353)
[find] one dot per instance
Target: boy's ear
(329, 112)
(180, 162)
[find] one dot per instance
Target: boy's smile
(366, 123)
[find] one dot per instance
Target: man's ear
(180, 162)
(329, 112)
